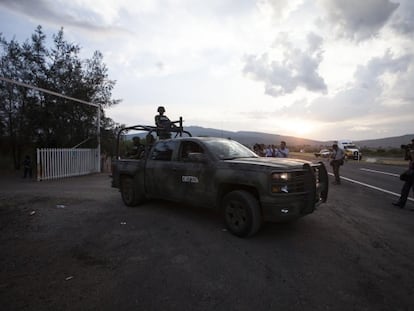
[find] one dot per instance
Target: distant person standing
(336, 162)
(259, 150)
(283, 151)
(27, 167)
(408, 178)
(269, 151)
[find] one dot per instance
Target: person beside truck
(407, 176)
(337, 157)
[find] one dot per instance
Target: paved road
(384, 178)
(355, 253)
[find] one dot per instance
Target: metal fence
(55, 163)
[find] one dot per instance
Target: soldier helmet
(161, 109)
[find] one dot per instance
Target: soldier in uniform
(163, 124)
(137, 149)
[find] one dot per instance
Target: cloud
(184, 52)
(297, 68)
(369, 76)
(358, 20)
(279, 9)
(85, 18)
(403, 19)
(379, 101)
(383, 86)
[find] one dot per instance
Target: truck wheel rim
(236, 215)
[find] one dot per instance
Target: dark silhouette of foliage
(30, 118)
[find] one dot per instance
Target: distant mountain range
(389, 142)
(251, 138)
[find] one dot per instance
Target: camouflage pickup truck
(222, 173)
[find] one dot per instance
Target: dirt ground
(43, 251)
(71, 244)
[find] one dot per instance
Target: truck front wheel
(129, 192)
(242, 213)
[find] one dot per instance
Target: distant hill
(251, 138)
(385, 143)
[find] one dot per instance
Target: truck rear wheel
(242, 213)
(129, 193)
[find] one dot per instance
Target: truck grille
(293, 184)
(312, 179)
(321, 180)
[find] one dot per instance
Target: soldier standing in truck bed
(163, 124)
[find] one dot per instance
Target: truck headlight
(280, 176)
(279, 184)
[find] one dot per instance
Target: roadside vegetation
(31, 119)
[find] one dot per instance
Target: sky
(316, 69)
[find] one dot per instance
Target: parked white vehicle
(350, 149)
(324, 153)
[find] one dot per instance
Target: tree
(30, 118)
(12, 99)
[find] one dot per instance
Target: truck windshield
(349, 146)
(229, 149)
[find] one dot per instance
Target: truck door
(160, 178)
(195, 173)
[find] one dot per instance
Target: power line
(47, 91)
(98, 130)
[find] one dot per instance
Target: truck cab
(350, 149)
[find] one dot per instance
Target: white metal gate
(53, 163)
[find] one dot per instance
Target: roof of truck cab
(202, 138)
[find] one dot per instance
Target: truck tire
(242, 214)
(129, 192)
